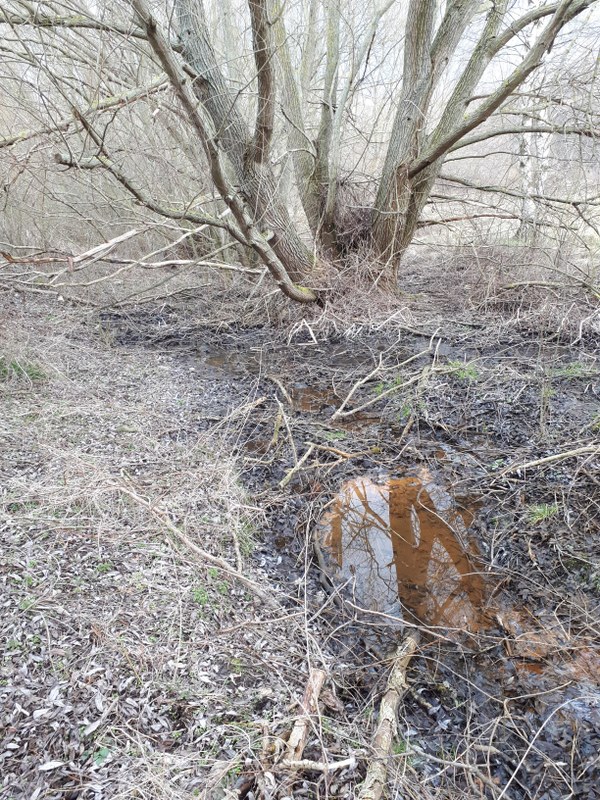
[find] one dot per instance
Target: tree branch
(40, 20)
(567, 9)
(107, 103)
(263, 57)
(205, 133)
(559, 130)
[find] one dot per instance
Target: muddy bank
(508, 672)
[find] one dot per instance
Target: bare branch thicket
(282, 114)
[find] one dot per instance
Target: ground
(150, 456)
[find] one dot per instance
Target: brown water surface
(403, 547)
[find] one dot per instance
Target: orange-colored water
(400, 544)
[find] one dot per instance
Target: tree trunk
(396, 212)
(251, 170)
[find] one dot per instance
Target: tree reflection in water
(396, 543)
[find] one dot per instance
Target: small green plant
(335, 436)
(540, 512)
(237, 665)
(27, 603)
(463, 371)
(104, 567)
(101, 755)
(200, 596)
(405, 412)
(576, 369)
(213, 573)
(12, 369)
(400, 748)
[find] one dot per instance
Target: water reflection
(395, 542)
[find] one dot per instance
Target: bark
(254, 177)
(375, 780)
(414, 160)
(395, 194)
(300, 146)
(232, 126)
(327, 184)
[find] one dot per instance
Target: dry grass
(118, 678)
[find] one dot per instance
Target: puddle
(311, 398)
(402, 547)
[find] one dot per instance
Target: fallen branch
(309, 705)
(239, 410)
(396, 388)
(216, 561)
(298, 466)
(374, 783)
(322, 766)
(342, 455)
(357, 385)
(539, 462)
(340, 411)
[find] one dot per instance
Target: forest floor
(162, 479)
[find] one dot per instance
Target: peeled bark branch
(309, 705)
(374, 784)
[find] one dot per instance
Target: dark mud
(510, 608)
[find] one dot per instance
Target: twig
(321, 766)
(290, 474)
(240, 410)
(281, 388)
(216, 561)
(357, 385)
(415, 379)
(374, 784)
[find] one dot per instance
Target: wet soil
(426, 512)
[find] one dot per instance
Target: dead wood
(309, 705)
(374, 783)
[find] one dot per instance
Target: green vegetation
(400, 748)
(200, 596)
(541, 512)
(12, 369)
(335, 436)
(463, 371)
(576, 369)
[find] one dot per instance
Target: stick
(321, 766)
(374, 784)
(290, 434)
(341, 413)
(580, 451)
(223, 565)
(391, 390)
(309, 705)
(290, 474)
(356, 386)
(240, 410)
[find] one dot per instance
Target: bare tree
(292, 87)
